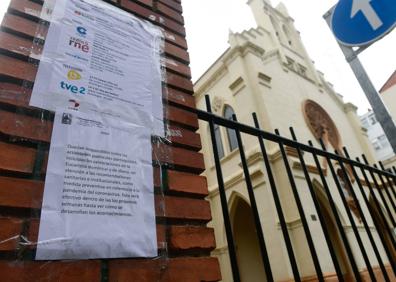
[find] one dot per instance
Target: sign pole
(379, 109)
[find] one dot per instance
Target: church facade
(267, 70)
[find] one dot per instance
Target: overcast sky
(208, 23)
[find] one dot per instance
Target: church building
(267, 70)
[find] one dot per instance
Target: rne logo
(79, 44)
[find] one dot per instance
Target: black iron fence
(376, 186)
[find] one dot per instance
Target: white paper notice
(98, 198)
(104, 59)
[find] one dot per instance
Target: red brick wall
(24, 141)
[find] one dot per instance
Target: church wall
(269, 221)
(288, 91)
(361, 133)
(241, 101)
(303, 253)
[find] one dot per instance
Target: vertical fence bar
(253, 203)
(378, 207)
(389, 181)
(385, 188)
(318, 210)
(333, 207)
(377, 186)
(365, 224)
(394, 174)
(223, 199)
(367, 202)
(278, 205)
(301, 211)
(349, 214)
(351, 219)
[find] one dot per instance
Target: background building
(268, 71)
(382, 148)
(388, 94)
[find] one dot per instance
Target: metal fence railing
(369, 188)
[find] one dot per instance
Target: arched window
(231, 134)
(219, 142)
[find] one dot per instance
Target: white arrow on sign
(368, 11)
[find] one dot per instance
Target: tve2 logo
(73, 75)
(361, 22)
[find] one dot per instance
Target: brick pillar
(24, 141)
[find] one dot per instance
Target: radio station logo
(74, 105)
(85, 15)
(82, 31)
(80, 44)
(73, 75)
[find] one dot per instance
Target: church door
(248, 251)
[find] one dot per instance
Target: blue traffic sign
(361, 22)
